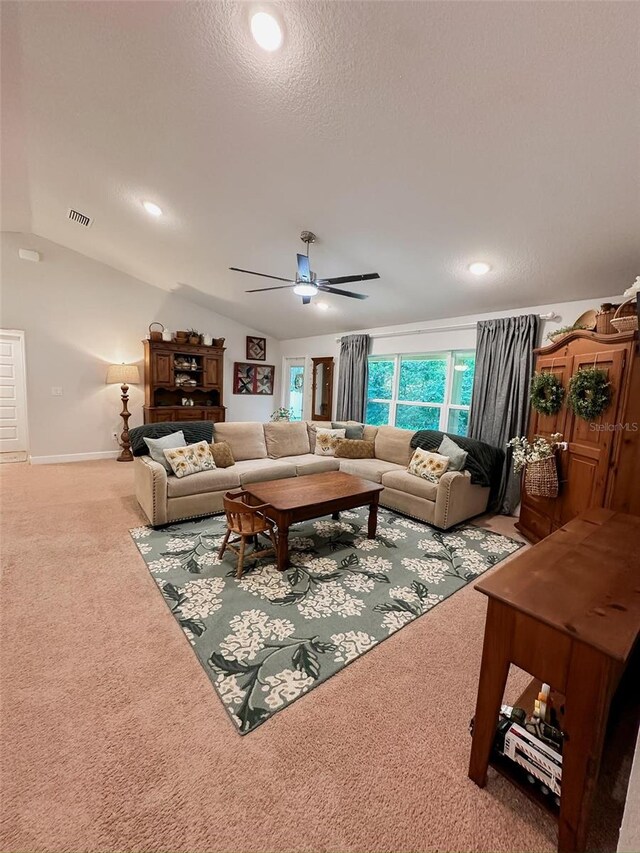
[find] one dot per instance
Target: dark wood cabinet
(600, 466)
(176, 372)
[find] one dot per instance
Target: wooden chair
(247, 522)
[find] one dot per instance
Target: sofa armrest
(458, 499)
(151, 489)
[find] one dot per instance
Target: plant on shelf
(281, 414)
(589, 393)
(539, 464)
(564, 330)
(547, 393)
(194, 336)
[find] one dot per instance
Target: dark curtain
(352, 378)
(500, 400)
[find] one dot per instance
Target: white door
(13, 395)
(294, 387)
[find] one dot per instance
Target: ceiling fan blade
(326, 289)
(263, 274)
(346, 279)
(278, 287)
(304, 270)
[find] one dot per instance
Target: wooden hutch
(202, 367)
(600, 466)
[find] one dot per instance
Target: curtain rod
(453, 328)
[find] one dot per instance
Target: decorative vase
(194, 340)
(166, 335)
(206, 340)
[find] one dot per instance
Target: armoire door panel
(212, 372)
(163, 368)
(547, 425)
(584, 466)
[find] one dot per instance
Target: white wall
(426, 341)
(79, 316)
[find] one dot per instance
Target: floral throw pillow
(327, 440)
(429, 466)
(190, 459)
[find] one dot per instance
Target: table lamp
(124, 375)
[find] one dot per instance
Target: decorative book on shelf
(183, 382)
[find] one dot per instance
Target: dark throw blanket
(194, 431)
(484, 462)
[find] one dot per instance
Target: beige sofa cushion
(394, 445)
(312, 426)
(216, 480)
(403, 481)
(258, 470)
(286, 439)
(309, 463)
(369, 469)
(369, 433)
(246, 439)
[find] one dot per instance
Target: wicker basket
(541, 478)
(604, 317)
(626, 317)
(155, 334)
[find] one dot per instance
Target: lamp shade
(123, 374)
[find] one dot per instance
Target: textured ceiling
(412, 138)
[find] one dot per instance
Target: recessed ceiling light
(303, 288)
(266, 31)
(322, 306)
(479, 268)
(152, 208)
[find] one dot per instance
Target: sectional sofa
(274, 451)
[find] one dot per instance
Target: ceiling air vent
(80, 218)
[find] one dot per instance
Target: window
(431, 391)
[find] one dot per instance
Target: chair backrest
(241, 516)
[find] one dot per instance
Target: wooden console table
(568, 612)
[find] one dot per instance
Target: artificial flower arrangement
(525, 453)
(282, 414)
(538, 461)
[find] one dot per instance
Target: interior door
(13, 394)
(294, 387)
(584, 466)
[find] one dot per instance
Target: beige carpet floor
(114, 740)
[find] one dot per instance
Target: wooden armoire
(601, 465)
(165, 365)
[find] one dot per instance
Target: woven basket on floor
(626, 317)
(541, 478)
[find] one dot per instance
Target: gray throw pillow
(355, 431)
(157, 446)
(457, 456)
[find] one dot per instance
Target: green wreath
(589, 393)
(547, 393)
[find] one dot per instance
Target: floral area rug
(269, 637)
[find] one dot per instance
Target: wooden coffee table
(314, 495)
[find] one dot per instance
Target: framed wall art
(253, 378)
(256, 348)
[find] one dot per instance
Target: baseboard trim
(73, 457)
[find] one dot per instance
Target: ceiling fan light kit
(306, 284)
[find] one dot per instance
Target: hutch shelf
(176, 372)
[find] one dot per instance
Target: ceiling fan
(305, 283)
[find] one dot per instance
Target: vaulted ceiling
(412, 137)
